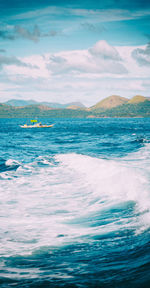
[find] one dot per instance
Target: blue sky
(64, 51)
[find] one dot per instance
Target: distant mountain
(137, 99)
(109, 102)
(20, 103)
(52, 105)
(141, 109)
(74, 107)
(76, 104)
(113, 106)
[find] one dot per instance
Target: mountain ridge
(106, 103)
(20, 103)
(110, 102)
(113, 106)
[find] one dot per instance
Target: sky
(67, 51)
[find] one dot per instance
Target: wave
(8, 165)
(73, 219)
(72, 197)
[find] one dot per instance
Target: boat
(35, 124)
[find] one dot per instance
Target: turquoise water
(75, 203)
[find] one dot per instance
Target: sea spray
(76, 213)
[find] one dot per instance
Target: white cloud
(102, 15)
(134, 69)
(85, 75)
(99, 59)
(11, 60)
(103, 50)
(106, 15)
(38, 68)
(142, 56)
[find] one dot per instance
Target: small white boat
(36, 125)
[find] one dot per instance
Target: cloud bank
(101, 58)
(86, 75)
(34, 34)
(11, 60)
(142, 56)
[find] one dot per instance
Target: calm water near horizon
(75, 204)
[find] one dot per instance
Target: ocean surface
(75, 204)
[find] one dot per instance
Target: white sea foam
(58, 202)
(12, 162)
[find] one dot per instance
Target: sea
(75, 203)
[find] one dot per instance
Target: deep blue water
(75, 203)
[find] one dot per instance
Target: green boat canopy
(33, 121)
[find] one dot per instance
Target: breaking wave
(72, 197)
(76, 220)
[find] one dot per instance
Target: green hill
(33, 111)
(109, 102)
(141, 109)
(113, 106)
(137, 99)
